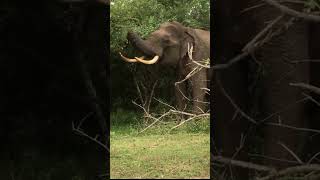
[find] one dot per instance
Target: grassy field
(158, 153)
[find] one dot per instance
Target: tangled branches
(299, 167)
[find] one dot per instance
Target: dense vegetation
(143, 17)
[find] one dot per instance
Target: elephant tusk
(152, 61)
(127, 59)
(190, 51)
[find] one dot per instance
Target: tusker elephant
(183, 48)
(255, 95)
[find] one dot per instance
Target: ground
(158, 153)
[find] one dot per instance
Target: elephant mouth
(144, 46)
(141, 59)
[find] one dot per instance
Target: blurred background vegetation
(143, 17)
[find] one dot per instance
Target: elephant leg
(199, 85)
(180, 95)
(277, 94)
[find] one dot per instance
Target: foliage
(129, 122)
(312, 5)
(144, 16)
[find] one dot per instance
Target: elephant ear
(188, 43)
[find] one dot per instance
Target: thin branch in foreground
(193, 72)
(312, 99)
(242, 164)
(191, 118)
(313, 176)
(293, 170)
(89, 137)
(83, 119)
(166, 104)
(305, 61)
(291, 152)
(289, 11)
(273, 173)
(151, 95)
(144, 110)
(282, 110)
(252, 43)
(249, 47)
(156, 120)
(273, 158)
(232, 102)
(233, 61)
(201, 65)
(280, 1)
(171, 111)
(313, 157)
(139, 91)
(294, 128)
(306, 86)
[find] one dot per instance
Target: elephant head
(167, 45)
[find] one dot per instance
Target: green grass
(158, 152)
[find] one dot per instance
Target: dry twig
(238, 109)
(292, 170)
(307, 87)
(291, 152)
(94, 139)
(242, 164)
(294, 13)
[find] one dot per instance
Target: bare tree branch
(283, 109)
(151, 95)
(307, 86)
(293, 170)
(191, 118)
(293, 128)
(238, 109)
(231, 62)
(94, 139)
(193, 72)
(253, 42)
(156, 120)
(289, 11)
(291, 152)
(313, 157)
(273, 158)
(243, 164)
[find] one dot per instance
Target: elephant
(174, 45)
(255, 95)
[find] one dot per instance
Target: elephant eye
(167, 40)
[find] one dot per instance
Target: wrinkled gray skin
(170, 42)
(272, 93)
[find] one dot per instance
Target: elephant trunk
(141, 44)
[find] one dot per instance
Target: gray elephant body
(276, 100)
(169, 45)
